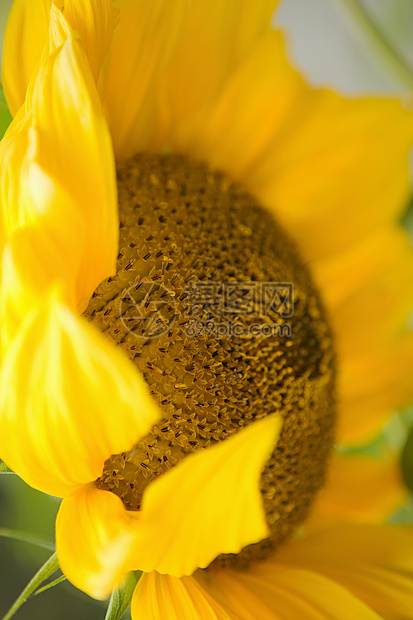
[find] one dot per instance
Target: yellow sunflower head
(203, 269)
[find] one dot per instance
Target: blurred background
(329, 45)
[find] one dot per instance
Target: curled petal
(57, 154)
(74, 147)
(213, 501)
(94, 21)
(36, 28)
(208, 504)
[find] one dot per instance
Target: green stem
(3, 467)
(378, 39)
(52, 584)
(28, 538)
(122, 596)
(42, 574)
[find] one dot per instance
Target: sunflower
(166, 165)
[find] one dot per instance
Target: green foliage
(28, 538)
(48, 568)
(121, 597)
(407, 461)
(5, 116)
(52, 584)
(4, 469)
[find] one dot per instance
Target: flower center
(213, 304)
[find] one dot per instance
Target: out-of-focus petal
(275, 592)
(94, 20)
(155, 82)
(363, 488)
(24, 42)
(93, 537)
(69, 400)
(375, 563)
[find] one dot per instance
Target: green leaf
(121, 597)
(407, 461)
(4, 469)
(48, 568)
(5, 116)
(52, 584)
(28, 538)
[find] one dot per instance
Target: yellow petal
(59, 31)
(374, 562)
(237, 111)
(270, 592)
(213, 501)
(16, 298)
(369, 296)
(143, 41)
(68, 400)
(15, 212)
(74, 147)
(29, 27)
(154, 81)
(94, 21)
(322, 163)
(381, 304)
(177, 517)
(93, 537)
(60, 152)
(335, 172)
(342, 174)
(373, 387)
(370, 320)
(344, 276)
(39, 254)
(362, 488)
(158, 597)
(24, 42)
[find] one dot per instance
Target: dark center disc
(214, 306)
